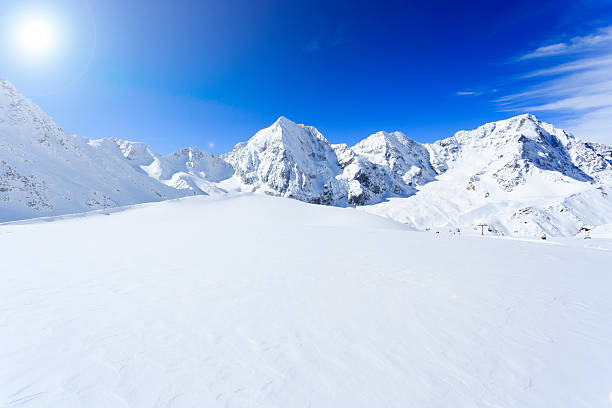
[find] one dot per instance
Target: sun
(36, 36)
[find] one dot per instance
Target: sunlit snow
(256, 301)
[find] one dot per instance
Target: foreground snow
(259, 301)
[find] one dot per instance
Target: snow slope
(45, 171)
(189, 169)
(521, 176)
(257, 301)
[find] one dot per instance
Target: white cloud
(211, 145)
(577, 91)
(584, 64)
(596, 123)
(468, 93)
(546, 51)
(574, 45)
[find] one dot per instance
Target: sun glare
(37, 36)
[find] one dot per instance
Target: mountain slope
(520, 176)
(383, 165)
(45, 171)
(297, 161)
(289, 160)
(189, 169)
(508, 150)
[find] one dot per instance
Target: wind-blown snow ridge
(521, 176)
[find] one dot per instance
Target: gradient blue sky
(212, 73)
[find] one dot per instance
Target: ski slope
(255, 301)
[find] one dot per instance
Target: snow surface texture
(520, 176)
(256, 301)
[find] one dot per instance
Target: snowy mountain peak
(403, 156)
(15, 108)
(382, 165)
(513, 146)
(287, 132)
(45, 171)
(20, 113)
(284, 121)
(290, 160)
(509, 130)
(190, 169)
(385, 143)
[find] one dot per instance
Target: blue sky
(212, 73)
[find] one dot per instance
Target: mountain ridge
(520, 160)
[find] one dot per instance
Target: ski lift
(587, 232)
(482, 226)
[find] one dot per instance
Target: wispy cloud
(579, 65)
(469, 93)
(577, 90)
(573, 45)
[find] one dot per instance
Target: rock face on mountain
(289, 160)
(296, 161)
(510, 149)
(594, 159)
(45, 171)
(383, 165)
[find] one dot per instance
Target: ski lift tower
(482, 227)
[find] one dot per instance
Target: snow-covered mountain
(512, 148)
(297, 161)
(382, 165)
(189, 169)
(290, 160)
(45, 171)
(519, 176)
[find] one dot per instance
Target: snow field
(256, 301)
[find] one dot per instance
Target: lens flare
(36, 36)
